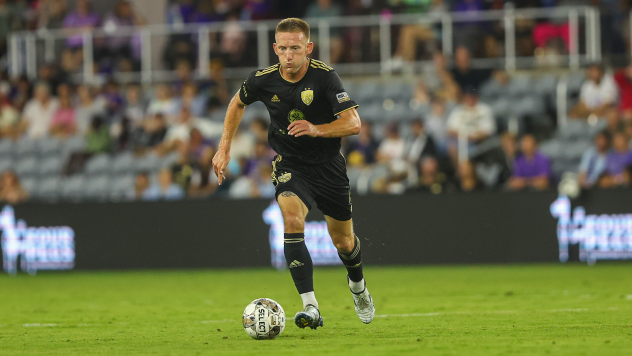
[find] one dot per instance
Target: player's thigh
(294, 211)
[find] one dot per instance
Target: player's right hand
(220, 161)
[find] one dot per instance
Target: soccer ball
(264, 319)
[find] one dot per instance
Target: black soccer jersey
(318, 97)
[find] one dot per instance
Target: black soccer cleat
(308, 317)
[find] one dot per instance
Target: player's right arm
(246, 95)
(234, 114)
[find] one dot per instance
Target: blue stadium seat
(7, 148)
(73, 188)
(51, 166)
(148, 163)
(29, 184)
(519, 86)
(123, 163)
(369, 91)
(98, 188)
(27, 166)
(49, 146)
(26, 147)
(575, 82)
(6, 163)
(121, 186)
(98, 164)
(74, 144)
(48, 188)
(545, 85)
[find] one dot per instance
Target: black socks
(353, 262)
(299, 262)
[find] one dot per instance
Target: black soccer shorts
(325, 184)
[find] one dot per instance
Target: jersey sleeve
(248, 91)
(337, 96)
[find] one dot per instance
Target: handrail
(23, 44)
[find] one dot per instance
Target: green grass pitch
(568, 309)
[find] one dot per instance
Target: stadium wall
(395, 230)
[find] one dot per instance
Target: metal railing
(29, 48)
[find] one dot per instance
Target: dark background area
(395, 230)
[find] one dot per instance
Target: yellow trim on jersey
(353, 107)
(321, 64)
(268, 70)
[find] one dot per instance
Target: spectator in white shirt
(164, 104)
(597, 95)
(393, 146)
(38, 112)
(471, 118)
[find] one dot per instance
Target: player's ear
(275, 49)
(310, 47)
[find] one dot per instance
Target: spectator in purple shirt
(78, 22)
(617, 162)
(531, 168)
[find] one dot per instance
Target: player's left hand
(302, 128)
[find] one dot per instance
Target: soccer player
(310, 111)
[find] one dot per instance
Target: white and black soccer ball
(264, 319)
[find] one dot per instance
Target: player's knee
(294, 223)
(343, 243)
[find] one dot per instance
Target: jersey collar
(309, 61)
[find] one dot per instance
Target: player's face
(292, 49)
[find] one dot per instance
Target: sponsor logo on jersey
(307, 96)
(275, 99)
(295, 115)
(342, 97)
(284, 178)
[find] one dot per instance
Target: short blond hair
(293, 25)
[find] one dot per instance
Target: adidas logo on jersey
(275, 99)
(296, 263)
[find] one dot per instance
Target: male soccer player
(310, 111)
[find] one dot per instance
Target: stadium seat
(551, 148)
(121, 186)
(528, 106)
(519, 86)
(491, 90)
(73, 188)
(48, 188)
(545, 85)
(98, 188)
(398, 91)
(29, 184)
(49, 146)
(6, 163)
(148, 163)
(51, 166)
(27, 166)
(169, 160)
(501, 107)
(369, 91)
(7, 148)
(74, 144)
(26, 147)
(98, 164)
(574, 129)
(122, 163)
(575, 82)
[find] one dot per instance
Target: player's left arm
(348, 124)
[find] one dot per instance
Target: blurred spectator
(258, 9)
(623, 78)
(10, 20)
(617, 162)
(531, 169)
(393, 145)
(184, 75)
(203, 181)
(9, 120)
(594, 160)
(326, 9)
(411, 35)
(613, 121)
(98, 138)
(217, 87)
(179, 12)
(363, 150)
(63, 123)
(165, 189)
(38, 112)
(78, 22)
(233, 39)
(243, 145)
(113, 98)
(597, 95)
(463, 73)
(88, 107)
(256, 185)
(11, 190)
(184, 167)
(141, 186)
(471, 118)
(117, 47)
(262, 156)
(467, 178)
(164, 104)
(190, 99)
(134, 108)
(419, 144)
(150, 133)
(180, 133)
(21, 93)
(436, 124)
(50, 13)
(431, 179)
(259, 129)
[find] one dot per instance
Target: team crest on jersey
(284, 178)
(308, 96)
(295, 115)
